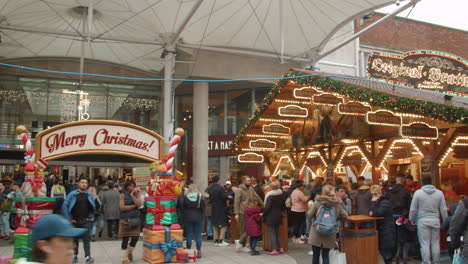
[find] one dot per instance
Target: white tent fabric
(135, 32)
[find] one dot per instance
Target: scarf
(272, 193)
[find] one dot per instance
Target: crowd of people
(411, 216)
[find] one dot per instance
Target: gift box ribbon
(168, 248)
(158, 211)
(36, 183)
(24, 214)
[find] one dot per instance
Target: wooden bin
(283, 230)
(359, 239)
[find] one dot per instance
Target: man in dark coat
(382, 207)
(219, 217)
(400, 197)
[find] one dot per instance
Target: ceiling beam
(73, 34)
(182, 26)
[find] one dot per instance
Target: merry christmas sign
(99, 137)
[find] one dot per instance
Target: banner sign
(383, 117)
(306, 92)
(293, 111)
(352, 160)
(422, 69)
(327, 99)
(99, 137)
(353, 108)
(141, 176)
(419, 130)
(250, 157)
(276, 129)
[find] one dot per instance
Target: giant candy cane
(29, 154)
(169, 159)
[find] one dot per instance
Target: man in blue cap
(52, 240)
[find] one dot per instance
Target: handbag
(134, 222)
(457, 258)
(337, 257)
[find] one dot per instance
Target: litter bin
(359, 239)
(283, 232)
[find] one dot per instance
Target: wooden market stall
(340, 126)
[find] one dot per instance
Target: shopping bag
(337, 257)
(457, 257)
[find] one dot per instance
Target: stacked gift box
(162, 236)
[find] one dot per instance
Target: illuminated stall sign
(419, 130)
(352, 160)
(250, 157)
(383, 117)
(293, 111)
(263, 144)
(306, 92)
(421, 69)
(353, 108)
(314, 161)
(327, 99)
(276, 129)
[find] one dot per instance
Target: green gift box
(21, 244)
(161, 210)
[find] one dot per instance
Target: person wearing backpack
(382, 207)
(326, 211)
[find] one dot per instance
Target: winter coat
(110, 203)
(317, 190)
(253, 221)
(459, 226)
(400, 198)
(319, 240)
(299, 201)
(274, 207)
(69, 203)
(243, 194)
(193, 206)
(426, 205)
(386, 227)
(347, 205)
(218, 199)
(363, 200)
(259, 191)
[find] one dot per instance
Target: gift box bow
(36, 183)
(168, 248)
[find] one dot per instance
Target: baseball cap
(54, 225)
(227, 182)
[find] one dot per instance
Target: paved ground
(108, 252)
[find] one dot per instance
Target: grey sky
(449, 13)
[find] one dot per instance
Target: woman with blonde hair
(321, 244)
(382, 207)
(275, 207)
(193, 206)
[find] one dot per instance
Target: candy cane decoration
(169, 159)
(29, 154)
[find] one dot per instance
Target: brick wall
(407, 35)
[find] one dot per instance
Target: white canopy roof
(136, 32)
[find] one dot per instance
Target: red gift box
(30, 209)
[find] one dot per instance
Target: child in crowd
(253, 218)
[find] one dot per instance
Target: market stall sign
(293, 111)
(352, 160)
(99, 137)
(419, 130)
(276, 129)
(327, 99)
(353, 108)
(383, 117)
(250, 157)
(460, 152)
(401, 153)
(316, 161)
(306, 92)
(263, 144)
(421, 69)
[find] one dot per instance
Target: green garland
(442, 112)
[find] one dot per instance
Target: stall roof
(414, 105)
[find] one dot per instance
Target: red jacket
(253, 221)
